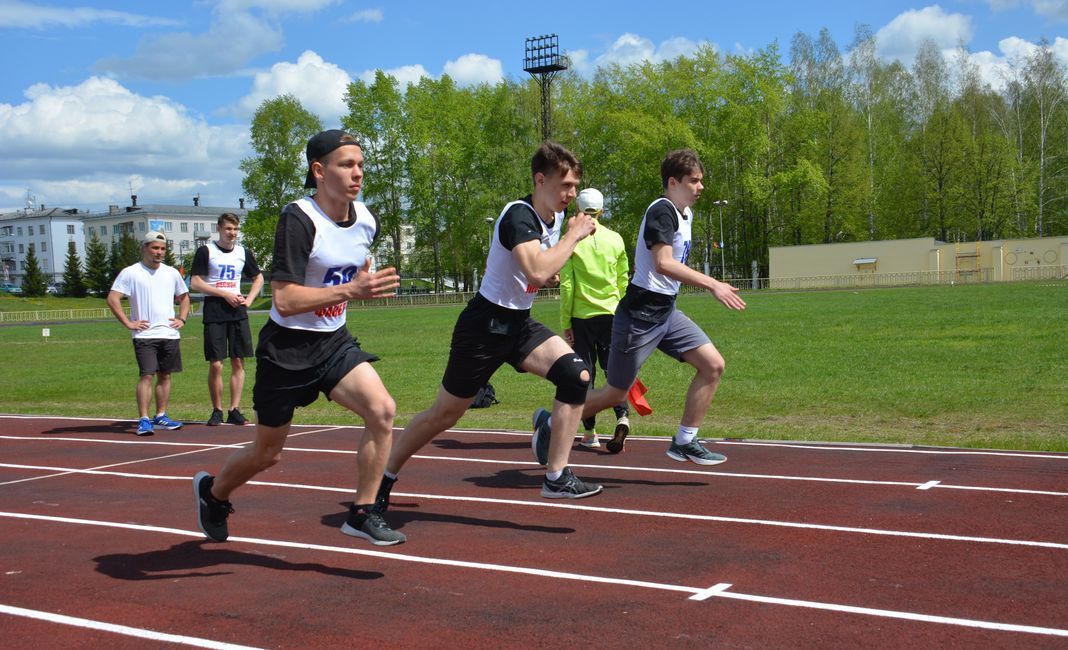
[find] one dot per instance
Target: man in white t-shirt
(152, 288)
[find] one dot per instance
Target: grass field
(972, 366)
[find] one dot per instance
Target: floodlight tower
(542, 60)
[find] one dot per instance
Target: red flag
(637, 399)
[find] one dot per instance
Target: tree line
(819, 147)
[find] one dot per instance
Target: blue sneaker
(144, 427)
(162, 420)
(542, 434)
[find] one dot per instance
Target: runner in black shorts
(321, 261)
(218, 269)
(496, 328)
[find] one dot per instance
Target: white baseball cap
(153, 236)
(590, 201)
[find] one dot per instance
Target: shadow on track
(182, 561)
(398, 518)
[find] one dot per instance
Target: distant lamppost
(722, 251)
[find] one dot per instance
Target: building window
(141, 226)
(168, 226)
(20, 231)
(185, 226)
(22, 249)
(44, 247)
(40, 229)
(70, 228)
(31, 245)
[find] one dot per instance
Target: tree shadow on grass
(121, 428)
(192, 559)
(398, 518)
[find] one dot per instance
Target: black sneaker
(211, 513)
(539, 444)
(366, 522)
(216, 418)
(619, 438)
(695, 452)
(568, 486)
(382, 498)
(235, 417)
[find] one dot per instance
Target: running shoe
(568, 486)
(693, 451)
(216, 418)
(590, 441)
(382, 498)
(162, 420)
(619, 437)
(235, 417)
(366, 522)
(211, 512)
(542, 435)
(144, 427)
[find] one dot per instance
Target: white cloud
(367, 16)
(21, 15)
(1051, 10)
(631, 49)
(320, 86)
(406, 75)
(996, 69)
(276, 6)
(474, 69)
(80, 146)
(901, 37)
(234, 39)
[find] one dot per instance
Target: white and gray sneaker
(693, 451)
(366, 522)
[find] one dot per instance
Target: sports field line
(718, 473)
(136, 461)
(799, 445)
(720, 590)
(598, 509)
(124, 630)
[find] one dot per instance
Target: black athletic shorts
(593, 340)
(279, 391)
(227, 340)
(485, 337)
(158, 355)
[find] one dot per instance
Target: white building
(51, 232)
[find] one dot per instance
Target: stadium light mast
(542, 60)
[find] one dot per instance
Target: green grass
(973, 366)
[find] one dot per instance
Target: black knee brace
(566, 373)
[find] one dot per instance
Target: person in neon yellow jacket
(592, 283)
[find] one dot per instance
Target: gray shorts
(633, 342)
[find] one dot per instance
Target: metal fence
(1049, 272)
(53, 315)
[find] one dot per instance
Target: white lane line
(719, 591)
(623, 468)
(138, 461)
(714, 590)
(615, 511)
(928, 485)
(120, 629)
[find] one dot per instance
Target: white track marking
(125, 630)
(711, 591)
(617, 511)
(597, 467)
(719, 591)
(928, 485)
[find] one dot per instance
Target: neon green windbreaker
(594, 279)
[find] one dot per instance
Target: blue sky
(101, 97)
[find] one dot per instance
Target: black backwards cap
(320, 145)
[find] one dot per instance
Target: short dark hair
(679, 163)
(228, 217)
(554, 157)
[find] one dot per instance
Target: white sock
(390, 475)
(554, 476)
(685, 435)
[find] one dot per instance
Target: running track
(785, 545)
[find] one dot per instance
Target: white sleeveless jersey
(225, 267)
(505, 283)
(645, 275)
(337, 254)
